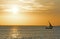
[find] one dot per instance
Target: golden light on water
(14, 33)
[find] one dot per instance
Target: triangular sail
(50, 26)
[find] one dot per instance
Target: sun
(14, 9)
(11, 8)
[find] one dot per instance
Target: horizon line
(28, 25)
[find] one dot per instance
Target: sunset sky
(29, 12)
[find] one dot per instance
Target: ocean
(29, 32)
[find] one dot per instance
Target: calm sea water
(21, 32)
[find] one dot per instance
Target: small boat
(50, 26)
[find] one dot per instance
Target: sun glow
(21, 6)
(13, 9)
(16, 13)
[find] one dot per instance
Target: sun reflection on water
(14, 33)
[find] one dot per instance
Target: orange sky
(29, 12)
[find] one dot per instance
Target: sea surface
(31, 32)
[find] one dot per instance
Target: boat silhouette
(50, 26)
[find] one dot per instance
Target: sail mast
(50, 24)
